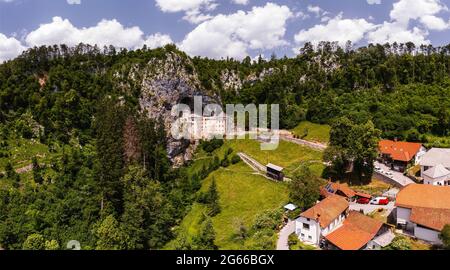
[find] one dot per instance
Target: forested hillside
(80, 119)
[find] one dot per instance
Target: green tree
(400, 243)
(110, 235)
(52, 245)
(212, 199)
(445, 236)
(304, 189)
(206, 237)
(34, 242)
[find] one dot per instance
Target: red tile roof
(343, 188)
(327, 210)
(424, 196)
(430, 205)
(356, 232)
(401, 151)
(431, 218)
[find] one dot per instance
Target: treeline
(403, 89)
(118, 191)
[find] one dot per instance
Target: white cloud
(74, 2)
(62, 31)
(396, 32)
(240, 2)
(106, 32)
(157, 40)
(9, 48)
(234, 34)
(193, 9)
(373, 2)
(398, 29)
(336, 29)
(314, 9)
(434, 23)
(405, 10)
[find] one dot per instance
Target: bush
(400, 243)
(235, 159)
(293, 240)
(225, 163)
(268, 220)
(210, 146)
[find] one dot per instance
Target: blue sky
(220, 28)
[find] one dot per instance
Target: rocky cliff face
(164, 83)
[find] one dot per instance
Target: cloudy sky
(220, 28)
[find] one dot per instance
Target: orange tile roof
(431, 218)
(364, 195)
(344, 188)
(425, 196)
(327, 210)
(401, 151)
(356, 232)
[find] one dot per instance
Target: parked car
(380, 201)
(363, 201)
(390, 174)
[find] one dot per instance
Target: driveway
(283, 235)
(369, 208)
(398, 177)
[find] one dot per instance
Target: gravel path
(283, 235)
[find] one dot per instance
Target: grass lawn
(288, 155)
(376, 187)
(312, 132)
(22, 151)
(243, 196)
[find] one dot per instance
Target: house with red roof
(329, 224)
(398, 155)
(423, 210)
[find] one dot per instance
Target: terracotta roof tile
(327, 210)
(425, 196)
(355, 233)
(344, 188)
(431, 218)
(401, 151)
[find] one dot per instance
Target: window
(308, 219)
(309, 237)
(305, 226)
(303, 235)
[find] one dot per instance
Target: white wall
(403, 215)
(315, 232)
(309, 236)
(435, 181)
(419, 155)
(427, 234)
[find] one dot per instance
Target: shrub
(235, 159)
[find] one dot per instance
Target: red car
(363, 201)
(380, 201)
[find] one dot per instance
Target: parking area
(369, 208)
(397, 177)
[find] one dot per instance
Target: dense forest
(109, 183)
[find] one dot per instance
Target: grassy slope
(316, 132)
(288, 155)
(243, 196)
(22, 151)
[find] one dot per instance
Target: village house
(356, 232)
(342, 190)
(423, 210)
(330, 224)
(321, 219)
(398, 155)
(435, 167)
